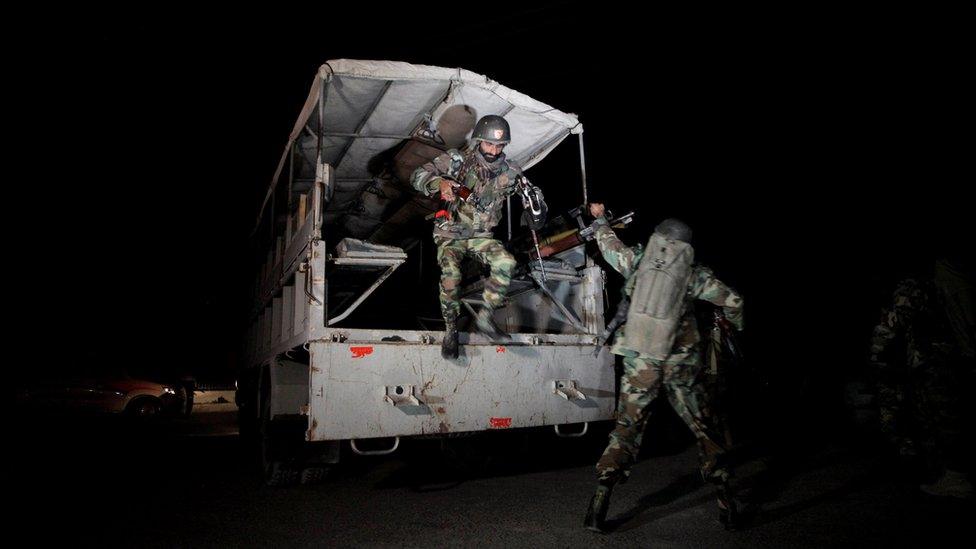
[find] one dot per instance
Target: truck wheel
(277, 457)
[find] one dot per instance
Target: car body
(94, 394)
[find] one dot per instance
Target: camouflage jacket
(490, 184)
(912, 332)
(703, 285)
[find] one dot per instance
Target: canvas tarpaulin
(371, 106)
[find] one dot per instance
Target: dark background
(818, 156)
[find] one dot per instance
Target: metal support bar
(322, 97)
(367, 261)
(570, 315)
(396, 444)
(366, 294)
(470, 309)
(362, 123)
(371, 136)
(586, 427)
(586, 199)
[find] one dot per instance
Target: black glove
(535, 222)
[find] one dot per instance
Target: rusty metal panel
(360, 389)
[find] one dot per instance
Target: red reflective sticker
(499, 349)
(500, 422)
(360, 352)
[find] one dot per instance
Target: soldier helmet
(493, 129)
(674, 229)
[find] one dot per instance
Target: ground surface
(186, 483)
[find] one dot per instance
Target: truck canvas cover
(372, 106)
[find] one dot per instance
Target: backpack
(657, 296)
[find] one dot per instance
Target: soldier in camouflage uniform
(644, 376)
(922, 358)
(466, 229)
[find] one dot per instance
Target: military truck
(340, 219)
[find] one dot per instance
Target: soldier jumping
(466, 230)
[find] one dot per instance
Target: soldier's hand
(597, 209)
(447, 190)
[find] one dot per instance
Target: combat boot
(596, 514)
(487, 326)
(449, 346)
(728, 511)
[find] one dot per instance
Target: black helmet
(493, 129)
(673, 229)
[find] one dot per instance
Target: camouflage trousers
(922, 412)
(489, 252)
(640, 384)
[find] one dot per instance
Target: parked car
(100, 391)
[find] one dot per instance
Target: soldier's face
(490, 150)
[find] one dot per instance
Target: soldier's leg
(449, 256)
(941, 419)
(686, 398)
(639, 385)
(491, 252)
(894, 397)
(501, 263)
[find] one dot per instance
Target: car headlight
(169, 390)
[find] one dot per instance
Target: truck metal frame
(326, 241)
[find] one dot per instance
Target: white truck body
(334, 231)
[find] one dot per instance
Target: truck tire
(279, 450)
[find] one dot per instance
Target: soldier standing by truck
(923, 358)
(474, 184)
(660, 344)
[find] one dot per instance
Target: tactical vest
(657, 294)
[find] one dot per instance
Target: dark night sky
(815, 154)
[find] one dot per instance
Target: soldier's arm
(427, 178)
(706, 286)
(621, 257)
